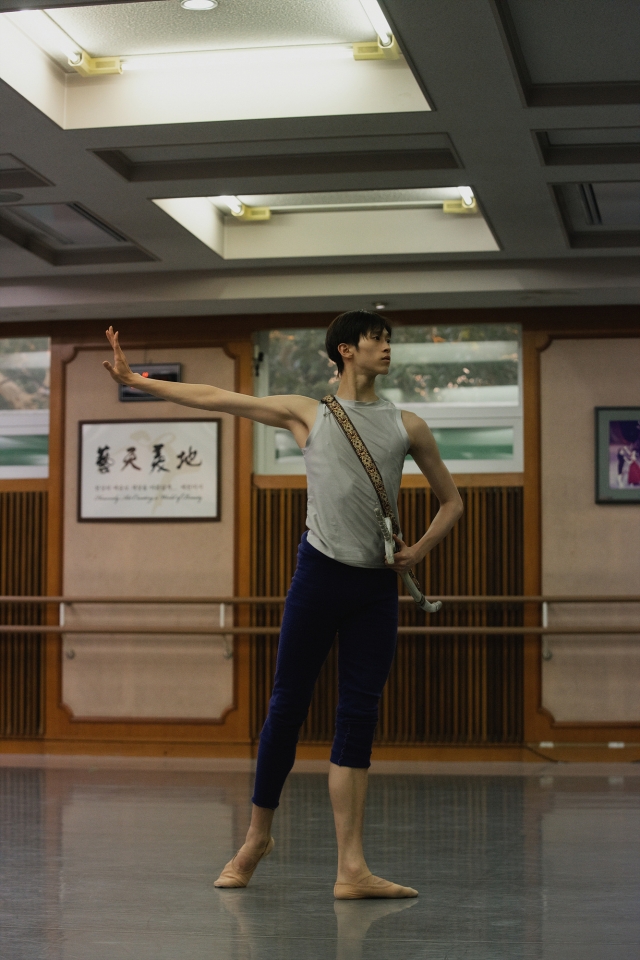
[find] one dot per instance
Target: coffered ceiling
(110, 184)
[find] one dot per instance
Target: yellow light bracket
(373, 50)
(252, 214)
(88, 66)
(457, 206)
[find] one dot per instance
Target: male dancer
(342, 583)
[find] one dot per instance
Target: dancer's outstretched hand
(120, 370)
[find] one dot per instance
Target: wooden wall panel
(442, 690)
(23, 559)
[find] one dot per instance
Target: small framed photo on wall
(617, 454)
(149, 470)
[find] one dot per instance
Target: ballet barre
(238, 601)
(515, 631)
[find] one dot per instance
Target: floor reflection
(355, 920)
(100, 864)
(353, 925)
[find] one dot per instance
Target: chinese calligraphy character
(188, 459)
(104, 462)
(129, 459)
(158, 459)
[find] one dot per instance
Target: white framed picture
(149, 470)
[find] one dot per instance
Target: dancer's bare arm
(293, 413)
(424, 451)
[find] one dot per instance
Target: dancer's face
(373, 355)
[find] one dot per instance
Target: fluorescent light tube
(40, 28)
(378, 21)
(466, 195)
(235, 206)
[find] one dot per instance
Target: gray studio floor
(115, 860)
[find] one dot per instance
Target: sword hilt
(418, 596)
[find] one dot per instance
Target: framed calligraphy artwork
(149, 470)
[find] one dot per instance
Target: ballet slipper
(231, 876)
(372, 888)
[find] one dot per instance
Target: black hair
(349, 328)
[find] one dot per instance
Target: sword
(389, 549)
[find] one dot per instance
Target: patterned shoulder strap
(373, 473)
(364, 457)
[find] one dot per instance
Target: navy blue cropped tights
(325, 598)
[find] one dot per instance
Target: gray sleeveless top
(341, 498)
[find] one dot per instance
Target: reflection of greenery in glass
(24, 450)
(474, 443)
(298, 363)
(24, 373)
(454, 443)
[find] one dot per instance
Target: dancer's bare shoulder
(417, 430)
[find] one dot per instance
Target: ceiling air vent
(69, 223)
(15, 175)
(600, 214)
(590, 203)
(65, 234)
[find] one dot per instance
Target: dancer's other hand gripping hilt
(407, 578)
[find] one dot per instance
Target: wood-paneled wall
(442, 689)
(23, 557)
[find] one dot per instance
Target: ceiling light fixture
(241, 211)
(380, 306)
(88, 66)
(378, 21)
(43, 30)
(198, 4)
(466, 204)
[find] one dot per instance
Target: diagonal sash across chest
(387, 513)
(364, 457)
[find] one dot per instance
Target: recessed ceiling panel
(344, 224)
(601, 214)
(579, 41)
(242, 60)
(619, 204)
(126, 29)
(591, 136)
(67, 223)
(574, 52)
(15, 174)
(274, 146)
(199, 162)
(66, 234)
(596, 146)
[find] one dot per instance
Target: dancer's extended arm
(293, 413)
(424, 451)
